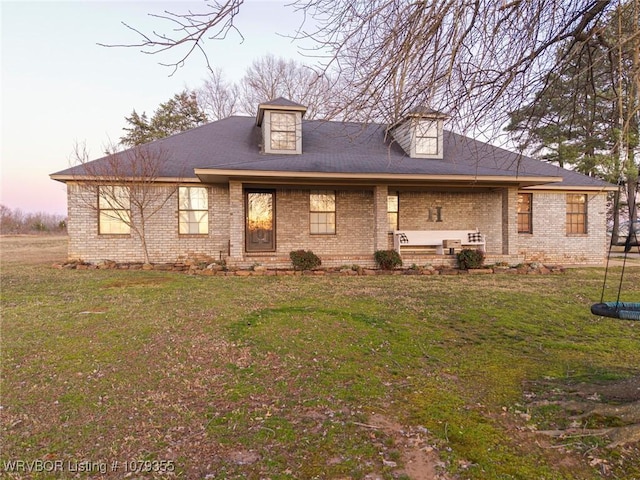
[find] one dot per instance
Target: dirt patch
(616, 392)
(623, 391)
(601, 418)
(33, 249)
(418, 457)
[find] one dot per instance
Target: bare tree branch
(125, 186)
(189, 30)
(474, 59)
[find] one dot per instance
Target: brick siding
(549, 241)
(360, 226)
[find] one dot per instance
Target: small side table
(452, 245)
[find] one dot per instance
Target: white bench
(435, 239)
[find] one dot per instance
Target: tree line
(15, 221)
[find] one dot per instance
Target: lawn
(160, 375)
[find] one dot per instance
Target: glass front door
(260, 226)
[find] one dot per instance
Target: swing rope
(627, 247)
(618, 309)
(606, 270)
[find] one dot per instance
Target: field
(109, 373)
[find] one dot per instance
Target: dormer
(419, 133)
(281, 124)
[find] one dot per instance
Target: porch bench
(414, 239)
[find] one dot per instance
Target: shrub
(387, 259)
(304, 260)
(468, 258)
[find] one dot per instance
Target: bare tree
(267, 78)
(270, 77)
(474, 59)
(124, 188)
(218, 97)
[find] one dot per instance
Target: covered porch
(271, 215)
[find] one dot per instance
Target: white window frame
(427, 138)
(283, 131)
(272, 128)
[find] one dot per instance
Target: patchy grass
(280, 377)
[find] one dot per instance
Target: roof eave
(64, 178)
(582, 188)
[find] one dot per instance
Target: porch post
(381, 224)
(236, 221)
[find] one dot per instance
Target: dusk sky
(59, 87)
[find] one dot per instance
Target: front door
(260, 225)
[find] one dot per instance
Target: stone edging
(217, 269)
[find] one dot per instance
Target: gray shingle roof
(283, 102)
(233, 144)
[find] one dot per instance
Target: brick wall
(164, 243)
(355, 225)
(549, 241)
(359, 229)
(427, 210)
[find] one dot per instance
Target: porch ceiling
(209, 175)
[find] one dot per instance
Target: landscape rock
(191, 267)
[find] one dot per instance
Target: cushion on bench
(475, 237)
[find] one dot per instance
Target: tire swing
(618, 309)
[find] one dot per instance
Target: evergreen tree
(574, 120)
(586, 115)
(181, 112)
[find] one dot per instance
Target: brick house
(251, 190)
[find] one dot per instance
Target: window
(193, 210)
(525, 213)
(323, 212)
(283, 131)
(576, 213)
(427, 138)
(114, 210)
(392, 211)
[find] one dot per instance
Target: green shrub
(387, 259)
(468, 258)
(304, 260)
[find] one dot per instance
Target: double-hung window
(322, 212)
(114, 210)
(576, 213)
(193, 210)
(283, 131)
(427, 138)
(525, 213)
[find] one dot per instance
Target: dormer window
(281, 124)
(283, 131)
(420, 133)
(427, 137)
